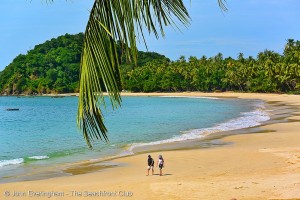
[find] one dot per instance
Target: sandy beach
(262, 165)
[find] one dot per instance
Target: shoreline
(229, 94)
(237, 143)
(196, 138)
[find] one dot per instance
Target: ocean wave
(246, 120)
(35, 158)
(38, 157)
(16, 161)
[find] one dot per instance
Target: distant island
(53, 68)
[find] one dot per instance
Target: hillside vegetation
(53, 67)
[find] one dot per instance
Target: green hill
(53, 67)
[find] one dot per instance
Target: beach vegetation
(269, 72)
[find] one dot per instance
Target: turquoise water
(44, 133)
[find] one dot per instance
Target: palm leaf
(111, 21)
(222, 4)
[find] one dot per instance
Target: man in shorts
(150, 165)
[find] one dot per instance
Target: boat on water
(12, 109)
(57, 97)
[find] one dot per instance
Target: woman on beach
(160, 164)
(150, 165)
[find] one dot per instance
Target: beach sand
(264, 165)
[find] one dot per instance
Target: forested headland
(53, 67)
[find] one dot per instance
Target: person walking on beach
(160, 164)
(150, 165)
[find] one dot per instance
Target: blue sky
(249, 26)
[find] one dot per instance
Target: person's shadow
(163, 174)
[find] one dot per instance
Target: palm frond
(222, 4)
(111, 21)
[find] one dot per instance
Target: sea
(43, 134)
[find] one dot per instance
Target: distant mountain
(53, 67)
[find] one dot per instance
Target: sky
(249, 26)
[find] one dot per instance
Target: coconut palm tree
(112, 21)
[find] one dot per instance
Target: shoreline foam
(247, 119)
